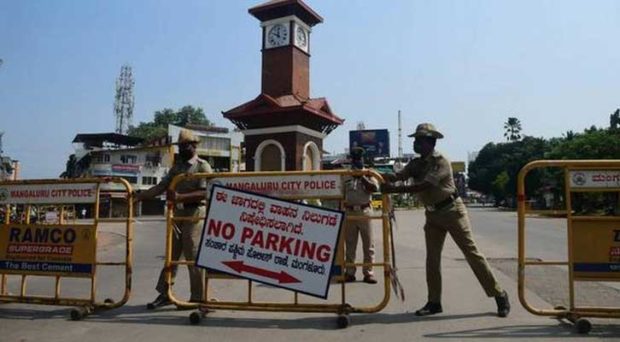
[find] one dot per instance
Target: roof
(264, 110)
(281, 8)
(205, 128)
(97, 139)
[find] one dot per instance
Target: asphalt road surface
(468, 314)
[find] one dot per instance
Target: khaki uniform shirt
(194, 165)
(354, 191)
(434, 169)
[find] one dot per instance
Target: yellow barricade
(43, 240)
(328, 191)
(593, 241)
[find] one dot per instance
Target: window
(149, 180)
(106, 158)
(132, 180)
(128, 159)
(153, 159)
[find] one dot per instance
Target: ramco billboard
(376, 142)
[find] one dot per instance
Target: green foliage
(162, 118)
(508, 158)
(592, 144)
(614, 120)
(495, 170)
(513, 129)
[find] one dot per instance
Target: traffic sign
(265, 239)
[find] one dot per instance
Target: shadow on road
(562, 330)
(137, 314)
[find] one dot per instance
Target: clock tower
(284, 127)
(286, 47)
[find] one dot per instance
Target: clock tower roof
(266, 110)
(281, 8)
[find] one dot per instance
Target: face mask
(417, 147)
(186, 153)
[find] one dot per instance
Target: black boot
(429, 309)
(503, 304)
(161, 300)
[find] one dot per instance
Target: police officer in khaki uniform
(445, 213)
(358, 197)
(189, 198)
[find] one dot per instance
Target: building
(145, 164)
(9, 168)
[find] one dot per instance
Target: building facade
(145, 164)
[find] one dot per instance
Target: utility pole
(400, 138)
(124, 100)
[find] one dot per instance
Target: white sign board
(48, 193)
(276, 242)
(595, 179)
(306, 186)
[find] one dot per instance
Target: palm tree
(513, 129)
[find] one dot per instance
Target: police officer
(358, 196)
(445, 213)
(189, 198)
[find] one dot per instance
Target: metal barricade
(244, 181)
(43, 241)
(593, 241)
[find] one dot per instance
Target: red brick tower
(283, 127)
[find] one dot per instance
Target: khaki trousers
(185, 240)
(353, 230)
(454, 220)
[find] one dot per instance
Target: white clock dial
(301, 36)
(278, 35)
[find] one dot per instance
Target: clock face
(301, 37)
(277, 35)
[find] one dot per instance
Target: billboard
(376, 142)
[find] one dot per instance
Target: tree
(509, 158)
(70, 167)
(499, 185)
(162, 118)
(614, 120)
(513, 129)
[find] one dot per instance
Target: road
(468, 314)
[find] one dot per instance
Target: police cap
(426, 130)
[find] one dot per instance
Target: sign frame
(325, 278)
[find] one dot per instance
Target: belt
(443, 203)
(357, 207)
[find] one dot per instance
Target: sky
(465, 66)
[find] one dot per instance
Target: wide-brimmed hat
(186, 136)
(426, 130)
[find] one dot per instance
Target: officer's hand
(171, 195)
(388, 177)
(135, 196)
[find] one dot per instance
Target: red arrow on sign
(282, 277)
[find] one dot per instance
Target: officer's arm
(418, 187)
(370, 184)
(190, 197)
(153, 191)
